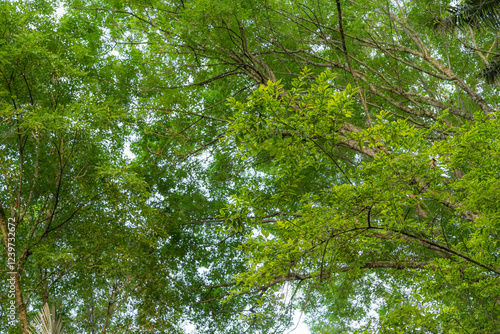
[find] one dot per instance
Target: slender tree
(72, 206)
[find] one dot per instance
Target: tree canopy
(224, 165)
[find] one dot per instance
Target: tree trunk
(21, 307)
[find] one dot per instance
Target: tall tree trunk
(4, 228)
(21, 307)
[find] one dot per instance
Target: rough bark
(21, 307)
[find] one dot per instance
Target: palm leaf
(477, 14)
(46, 322)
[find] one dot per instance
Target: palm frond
(46, 322)
(477, 14)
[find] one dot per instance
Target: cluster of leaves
(426, 206)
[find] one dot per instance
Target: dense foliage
(225, 165)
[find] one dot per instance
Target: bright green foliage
(268, 174)
(85, 238)
(289, 187)
(438, 219)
